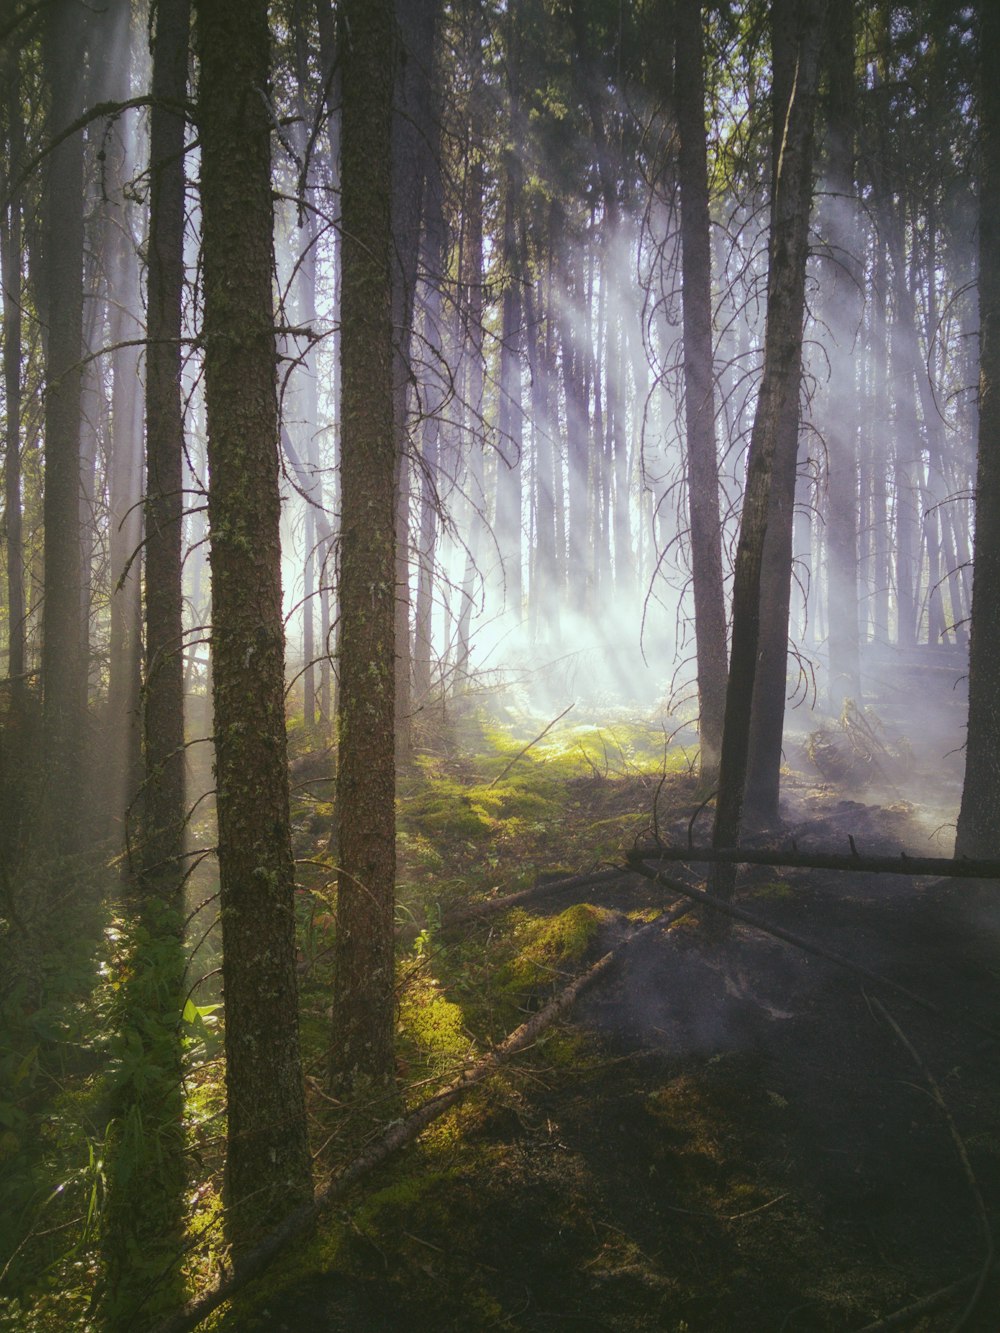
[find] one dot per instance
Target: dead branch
(943, 867)
(400, 1133)
(963, 1157)
(807, 946)
(477, 911)
(521, 753)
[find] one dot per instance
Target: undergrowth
(111, 1093)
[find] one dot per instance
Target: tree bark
(843, 313)
(10, 243)
(699, 386)
(979, 816)
(777, 404)
(364, 981)
(64, 685)
(163, 686)
(268, 1169)
(797, 35)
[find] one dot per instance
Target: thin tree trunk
(63, 657)
(163, 686)
(843, 301)
(699, 387)
(10, 242)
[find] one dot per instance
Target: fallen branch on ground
(460, 916)
(944, 867)
(402, 1132)
(807, 946)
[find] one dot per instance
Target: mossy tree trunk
(364, 985)
(267, 1162)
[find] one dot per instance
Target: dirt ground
(729, 1138)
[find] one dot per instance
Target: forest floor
(719, 1136)
(733, 1136)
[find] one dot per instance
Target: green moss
(433, 1024)
(549, 947)
(776, 891)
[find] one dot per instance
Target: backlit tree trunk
(797, 30)
(777, 405)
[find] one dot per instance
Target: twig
(963, 1157)
(520, 755)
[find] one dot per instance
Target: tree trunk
(10, 243)
(163, 686)
(777, 404)
(843, 312)
(364, 981)
(510, 412)
(979, 816)
(417, 21)
(268, 1169)
(796, 45)
(122, 760)
(63, 658)
(699, 386)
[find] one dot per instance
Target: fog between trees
(366, 365)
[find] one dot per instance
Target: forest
(499, 665)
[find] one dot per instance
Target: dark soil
(729, 1137)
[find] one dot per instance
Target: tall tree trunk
(122, 760)
(777, 403)
(435, 393)
(163, 686)
(268, 1168)
(979, 816)
(10, 243)
(795, 52)
(699, 386)
(417, 21)
(843, 311)
(63, 658)
(364, 981)
(510, 412)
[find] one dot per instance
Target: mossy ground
(713, 1142)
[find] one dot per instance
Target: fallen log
(807, 946)
(490, 906)
(400, 1133)
(940, 866)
